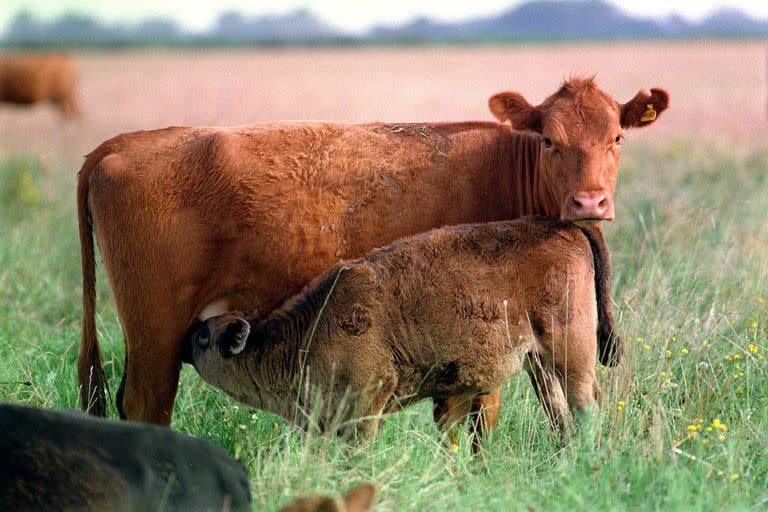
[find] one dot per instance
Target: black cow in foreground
(66, 461)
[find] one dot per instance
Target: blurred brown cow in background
(26, 79)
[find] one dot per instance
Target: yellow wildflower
(734, 476)
(646, 347)
(683, 350)
(669, 353)
(753, 348)
(736, 356)
(761, 300)
(754, 324)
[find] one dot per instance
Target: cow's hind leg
(121, 390)
(152, 365)
(150, 390)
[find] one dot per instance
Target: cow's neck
(522, 190)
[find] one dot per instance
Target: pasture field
(684, 421)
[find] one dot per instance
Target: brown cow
(449, 313)
(193, 222)
(27, 79)
(359, 499)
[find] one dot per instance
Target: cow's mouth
(586, 223)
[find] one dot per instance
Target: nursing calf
(67, 461)
(453, 312)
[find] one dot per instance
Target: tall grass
(683, 424)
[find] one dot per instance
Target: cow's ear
(644, 108)
(235, 337)
(512, 107)
(360, 499)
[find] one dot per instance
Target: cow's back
(256, 212)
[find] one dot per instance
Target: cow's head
(210, 346)
(581, 129)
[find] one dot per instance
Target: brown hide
(245, 217)
(359, 499)
(452, 312)
(26, 79)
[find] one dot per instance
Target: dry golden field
(718, 89)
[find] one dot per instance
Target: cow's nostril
(603, 203)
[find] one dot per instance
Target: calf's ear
(235, 337)
(644, 108)
(511, 106)
(360, 499)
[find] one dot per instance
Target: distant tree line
(535, 20)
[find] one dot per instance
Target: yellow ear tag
(649, 114)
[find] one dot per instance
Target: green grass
(690, 257)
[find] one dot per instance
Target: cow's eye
(547, 142)
(618, 139)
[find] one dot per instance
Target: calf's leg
(485, 410)
(549, 391)
(450, 413)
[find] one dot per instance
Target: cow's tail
(90, 373)
(609, 343)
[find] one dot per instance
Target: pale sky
(351, 15)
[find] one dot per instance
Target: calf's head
(210, 346)
(581, 129)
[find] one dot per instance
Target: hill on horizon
(533, 20)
